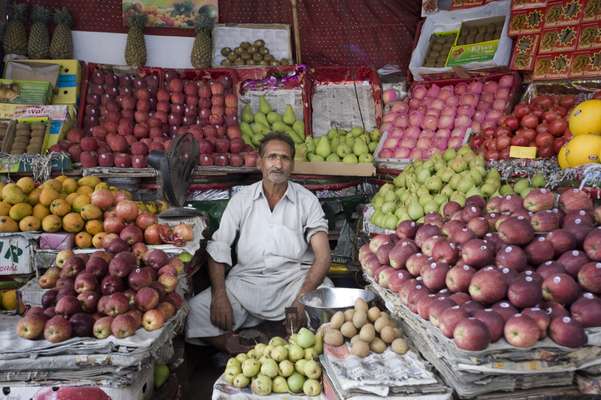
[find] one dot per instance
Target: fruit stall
(461, 187)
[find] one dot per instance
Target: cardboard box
(459, 4)
(524, 52)
(524, 22)
(590, 36)
(66, 82)
(563, 12)
(527, 4)
(25, 92)
(552, 66)
(586, 64)
(333, 169)
(592, 11)
(141, 389)
(16, 254)
(559, 39)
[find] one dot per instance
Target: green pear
(521, 185)
(488, 189)
(493, 173)
(261, 118)
(431, 206)
(246, 129)
(334, 143)
(289, 116)
(295, 136)
(423, 175)
(264, 106)
(300, 152)
(350, 159)
(449, 154)
(247, 114)
(333, 158)
(458, 197)
(390, 221)
(323, 148)
(506, 190)
(441, 199)
(356, 131)
(538, 180)
(343, 149)
(299, 127)
(279, 127)
(415, 211)
(465, 184)
(366, 158)
(372, 146)
(314, 157)
(434, 184)
(260, 129)
(273, 117)
(375, 135)
(332, 133)
(399, 180)
(359, 147)
(310, 145)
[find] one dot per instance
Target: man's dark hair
(276, 136)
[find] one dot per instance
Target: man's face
(276, 162)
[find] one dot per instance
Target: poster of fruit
(170, 13)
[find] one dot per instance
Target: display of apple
(435, 118)
(111, 292)
(540, 123)
(448, 267)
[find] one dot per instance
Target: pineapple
(15, 35)
(61, 45)
(39, 39)
(135, 49)
(201, 50)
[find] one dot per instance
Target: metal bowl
(322, 303)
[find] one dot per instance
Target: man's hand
(222, 315)
(301, 319)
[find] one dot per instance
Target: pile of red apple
(513, 268)
(114, 292)
(542, 123)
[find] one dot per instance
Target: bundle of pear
(367, 329)
(255, 126)
(250, 54)
(426, 186)
(280, 366)
(339, 145)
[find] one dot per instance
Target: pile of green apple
(339, 145)
(254, 126)
(426, 186)
(280, 366)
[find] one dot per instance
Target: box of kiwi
(27, 137)
(438, 49)
(477, 41)
(241, 45)
(25, 92)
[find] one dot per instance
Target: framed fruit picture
(171, 13)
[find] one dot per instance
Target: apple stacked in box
(105, 293)
(436, 118)
(542, 123)
(367, 329)
(340, 145)
(513, 267)
(280, 366)
(128, 116)
(427, 186)
(255, 126)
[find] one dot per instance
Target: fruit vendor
(282, 250)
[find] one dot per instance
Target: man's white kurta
(273, 256)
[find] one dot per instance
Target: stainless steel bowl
(322, 303)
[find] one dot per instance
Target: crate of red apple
(438, 116)
(541, 123)
(113, 292)
(128, 114)
(513, 268)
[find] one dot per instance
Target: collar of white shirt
(290, 191)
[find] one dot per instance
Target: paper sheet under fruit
(223, 390)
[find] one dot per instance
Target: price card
(15, 255)
(522, 152)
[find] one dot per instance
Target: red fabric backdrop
(343, 32)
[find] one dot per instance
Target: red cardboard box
(563, 12)
(524, 22)
(559, 39)
(552, 66)
(590, 36)
(527, 4)
(525, 48)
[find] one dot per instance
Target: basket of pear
(367, 329)
(280, 366)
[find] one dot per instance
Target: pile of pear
(427, 186)
(338, 145)
(254, 126)
(280, 366)
(366, 329)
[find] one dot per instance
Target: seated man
(283, 251)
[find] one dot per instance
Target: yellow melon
(583, 149)
(585, 118)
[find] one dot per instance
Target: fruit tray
(350, 111)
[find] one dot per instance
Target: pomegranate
(127, 210)
(151, 234)
(145, 219)
(102, 198)
(132, 234)
(113, 225)
(139, 249)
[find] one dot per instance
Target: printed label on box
(477, 52)
(526, 22)
(552, 66)
(559, 39)
(590, 36)
(562, 13)
(524, 52)
(522, 152)
(15, 255)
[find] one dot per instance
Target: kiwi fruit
(232, 57)
(238, 50)
(337, 320)
(275, 63)
(367, 333)
(360, 349)
(348, 330)
(263, 50)
(359, 318)
(239, 61)
(399, 346)
(333, 337)
(284, 61)
(373, 314)
(259, 43)
(377, 345)
(245, 56)
(348, 314)
(387, 334)
(245, 45)
(381, 323)
(257, 57)
(268, 57)
(226, 51)
(251, 49)
(262, 62)
(360, 304)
